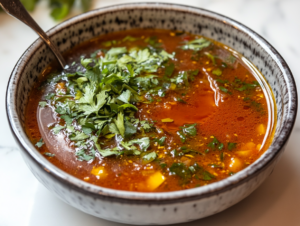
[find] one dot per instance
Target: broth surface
(200, 114)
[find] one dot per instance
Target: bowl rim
(152, 197)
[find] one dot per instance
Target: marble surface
(24, 201)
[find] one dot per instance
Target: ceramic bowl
(153, 208)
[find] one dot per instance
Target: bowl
(153, 208)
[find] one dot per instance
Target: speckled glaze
(153, 208)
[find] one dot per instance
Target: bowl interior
(162, 16)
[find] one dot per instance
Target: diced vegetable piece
(167, 120)
(99, 172)
(186, 161)
(173, 86)
(258, 147)
(235, 164)
(248, 146)
(60, 85)
(155, 180)
(261, 129)
(243, 153)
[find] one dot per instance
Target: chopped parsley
(231, 146)
(49, 154)
(186, 173)
(40, 143)
(100, 99)
(197, 44)
(215, 144)
(42, 104)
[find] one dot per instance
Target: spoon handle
(17, 10)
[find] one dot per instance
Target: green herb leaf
(116, 51)
(67, 119)
(217, 72)
(169, 69)
(40, 143)
(144, 143)
(210, 56)
(130, 129)
(50, 96)
(180, 100)
(108, 152)
(86, 130)
(182, 136)
(190, 129)
(207, 176)
(214, 143)
(61, 110)
(197, 44)
(160, 141)
(125, 96)
(222, 156)
(120, 124)
(231, 146)
(79, 136)
(83, 155)
(149, 157)
(182, 171)
(42, 104)
(223, 89)
(202, 174)
(220, 146)
(57, 129)
(49, 154)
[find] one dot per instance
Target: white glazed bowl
(153, 208)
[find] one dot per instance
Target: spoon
(17, 10)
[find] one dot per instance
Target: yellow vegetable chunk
(261, 129)
(235, 164)
(99, 172)
(78, 95)
(249, 146)
(173, 86)
(258, 147)
(60, 85)
(154, 181)
(185, 160)
(245, 153)
(167, 120)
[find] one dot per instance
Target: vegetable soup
(151, 111)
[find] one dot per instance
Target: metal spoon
(17, 10)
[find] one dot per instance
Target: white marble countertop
(24, 201)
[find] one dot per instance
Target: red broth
(192, 115)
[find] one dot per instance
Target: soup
(151, 111)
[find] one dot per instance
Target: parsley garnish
(215, 144)
(149, 157)
(83, 155)
(186, 173)
(169, 69)
(40, 143)
(231, 146)
(187, 130)
(197, 44)
(217, 72)
(160, 141)
(42, 104)
(49, 154)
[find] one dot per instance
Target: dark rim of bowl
(162, 197)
